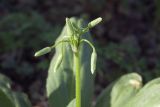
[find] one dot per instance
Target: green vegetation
(60, 84)
(9, 98)
(71, 38)
(126, 41)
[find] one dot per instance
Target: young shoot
(74, 39)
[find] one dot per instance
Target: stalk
(78, 81)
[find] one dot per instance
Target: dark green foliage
(20, 30)
(8, 98)
(157, 13)
(20, 34)
(123, 58)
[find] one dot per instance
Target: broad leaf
(148, 96)
(21, 100)
(125, 89)
(120, 91)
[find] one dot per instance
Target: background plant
(20, 33)
(9, 98)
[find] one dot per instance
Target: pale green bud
(93, 61)
(94, 22)
(58, 62)
(69, 25)
(43, 51)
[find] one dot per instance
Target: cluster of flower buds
(74, 33)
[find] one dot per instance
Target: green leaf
(87, 79)
(125, 88)
(21, 100)
(72, 103)
(61, 84)
(70, 29)
(4, 81)
(148, 96)
(58, 62)
(120, 91)
(6, 99)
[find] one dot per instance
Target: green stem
(78, 80)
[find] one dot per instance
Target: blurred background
(127, 40)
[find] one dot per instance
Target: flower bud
(70, 29)
(94, 22)
(93, 61)
(58, 62)
(43, 51)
